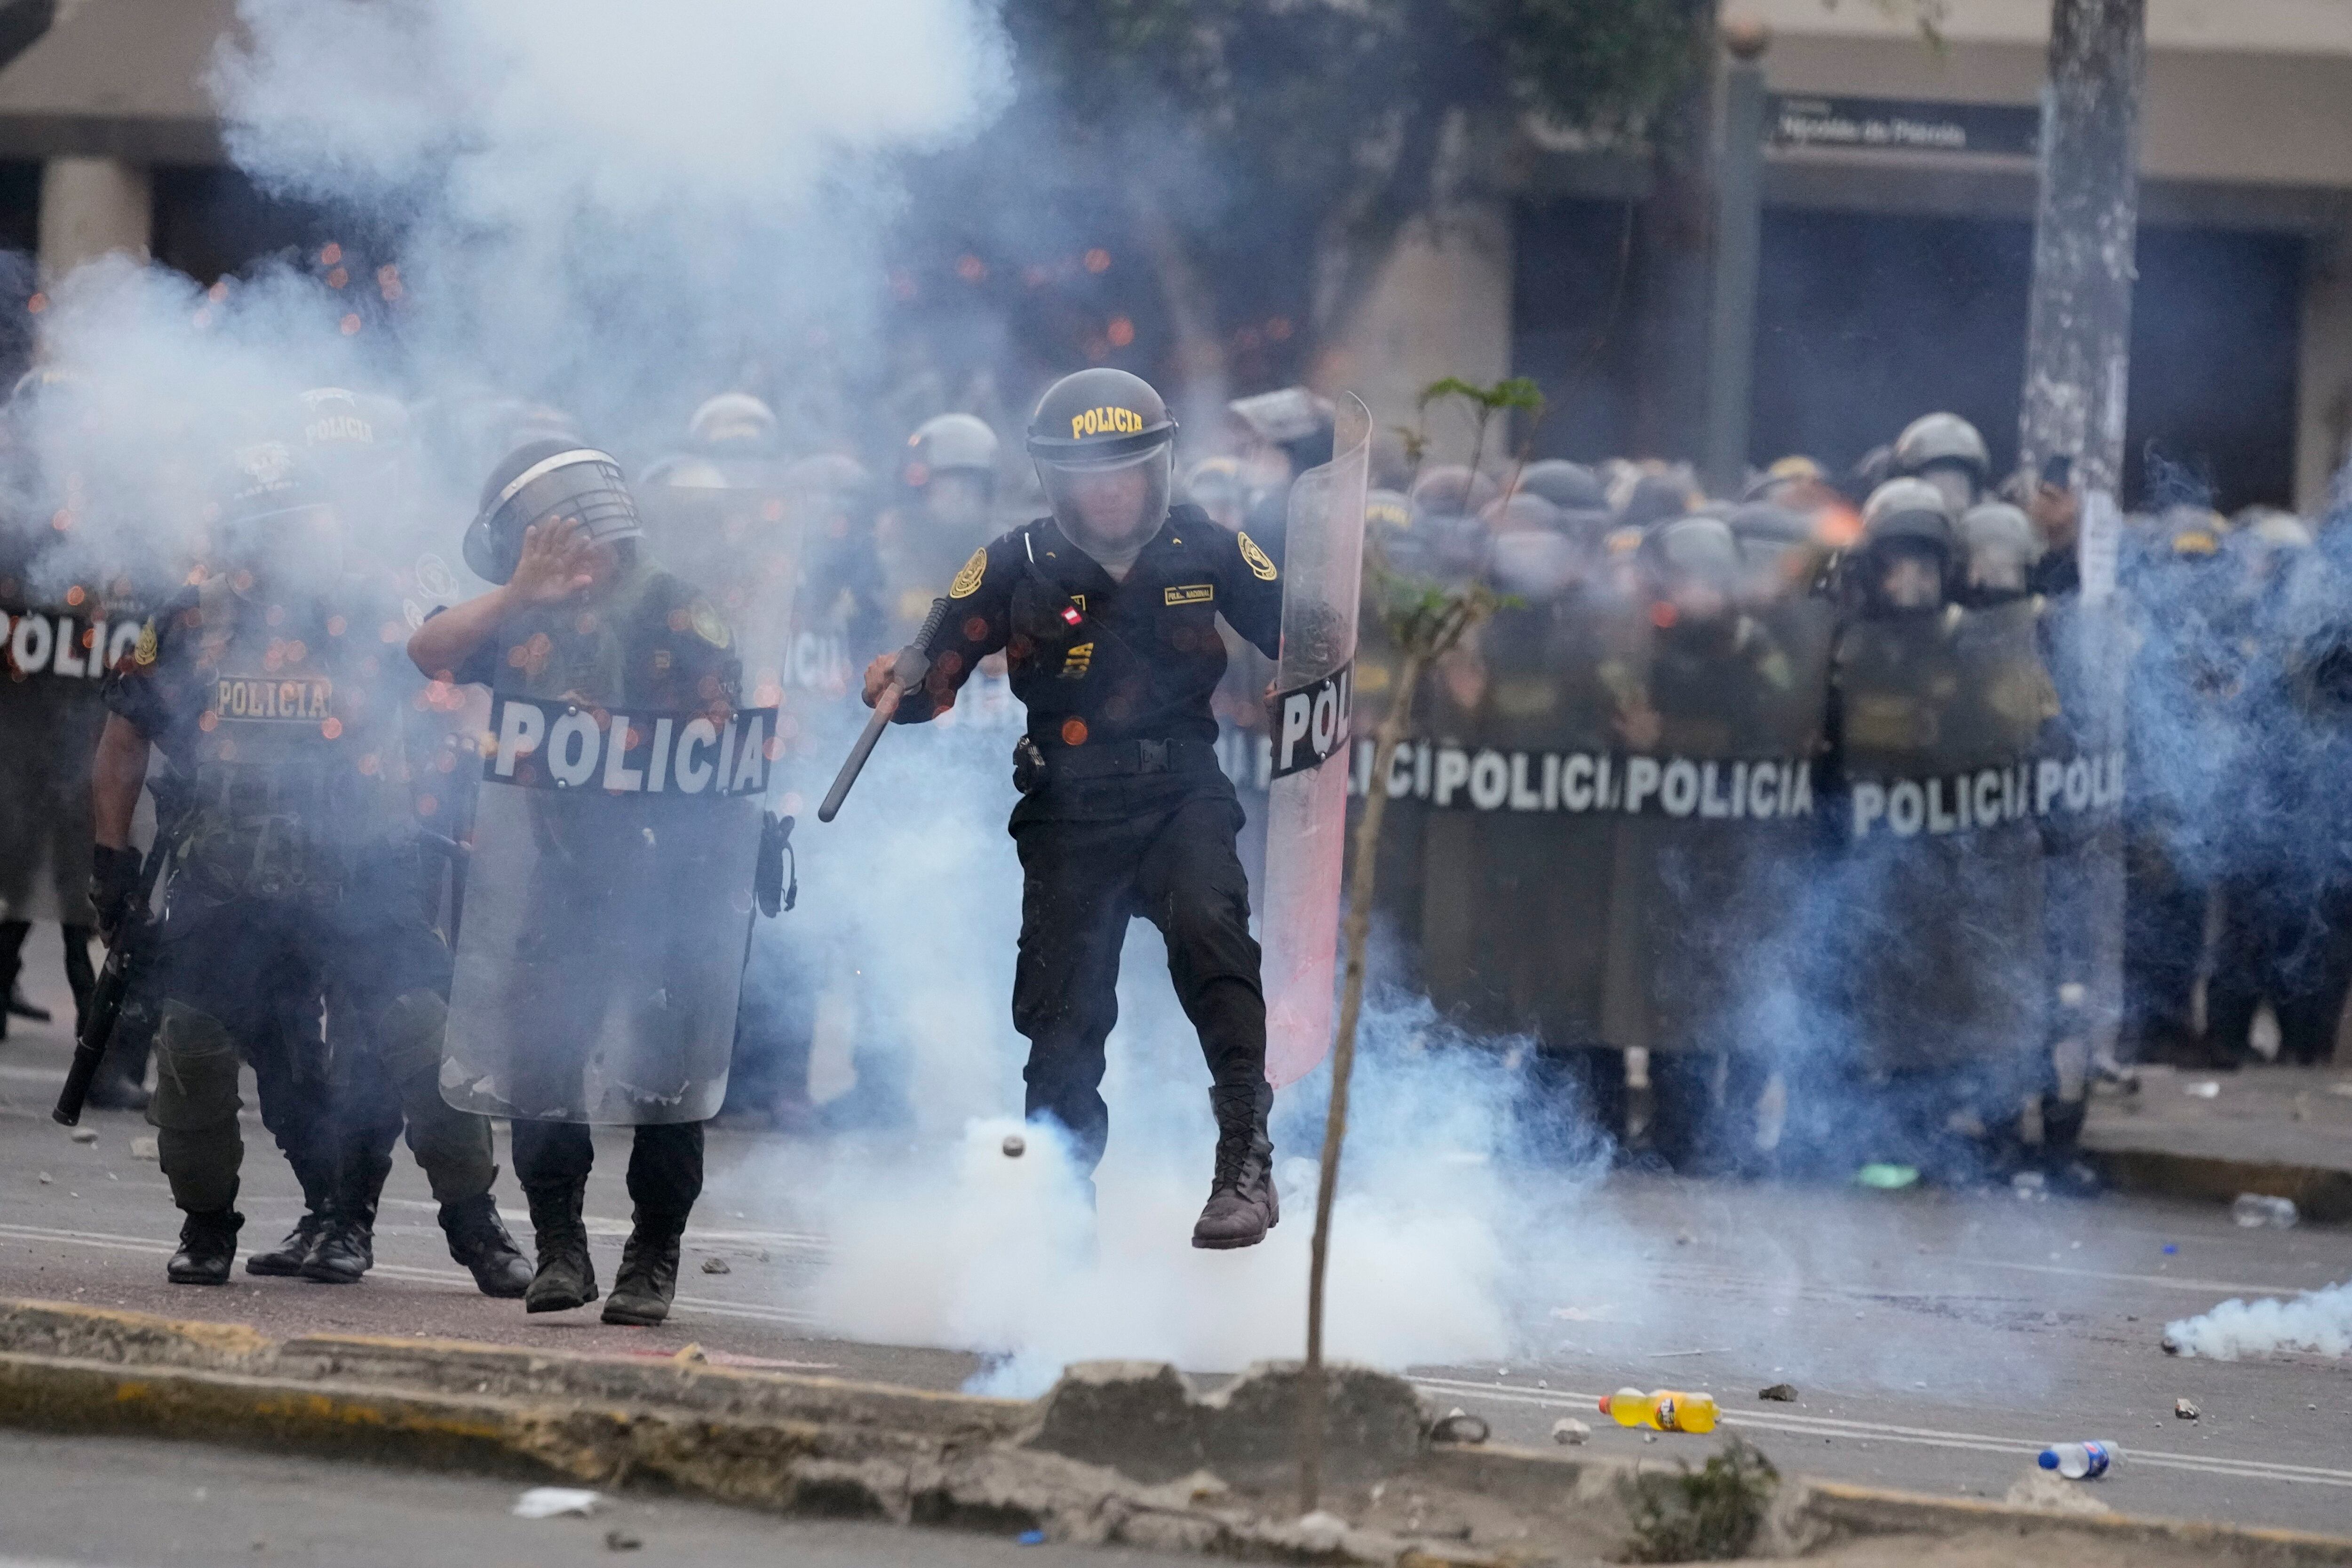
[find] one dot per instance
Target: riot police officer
(582, 621)
(271, 688)
(1107, 614)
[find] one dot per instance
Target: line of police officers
(1786, 789)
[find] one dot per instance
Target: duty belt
(1131, 758)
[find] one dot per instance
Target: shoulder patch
(1255, 559)
(708, 626)
(967, 582)
(145, 652)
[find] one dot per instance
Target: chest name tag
(1312, 723)
(305, 700)
(557, 745)
(1190, 594)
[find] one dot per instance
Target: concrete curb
(2319, 1192)
(1118, 1453)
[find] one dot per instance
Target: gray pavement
(1936, 1340)
(114, 1502)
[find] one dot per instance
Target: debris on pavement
(1458, 1426)
(716, 1266)
(2029, 1185)
(1780, 1392)
(46, 1178)
(556, 1503)
(83, 1134)
(2040, 1490)
(1015, 1145)
(1569, 1432)
(1886, 1178)
(617, 1540)
(2255, 1209)
(690, 1355)
(2185, 1410)
(1030, 1538)
(146, 1149)
(2203, 1088)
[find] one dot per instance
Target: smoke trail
(2317, 1320)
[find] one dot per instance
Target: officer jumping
(1106, 612)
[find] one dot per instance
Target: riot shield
(1306, 800)
(1954, 770)
(608, 904)
(52, 660)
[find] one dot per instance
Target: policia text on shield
(1105, 612)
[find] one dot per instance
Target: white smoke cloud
(2319, 1321)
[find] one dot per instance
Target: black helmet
(1096, 422)
(539, 480)
(267, 480)
(1908, 516)
(1100, 417)
(1572, 486)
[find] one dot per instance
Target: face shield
(1909, 577)
(1112, 505)
(294, 552)
(1954, 483)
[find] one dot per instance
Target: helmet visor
(1116, 503)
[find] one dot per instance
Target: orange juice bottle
(1667, 1410)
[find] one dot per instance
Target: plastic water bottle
(1667, 1410)
(2255, 1209)
(2081, 1461)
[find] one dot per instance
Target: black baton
(914, 663)
(123, 956)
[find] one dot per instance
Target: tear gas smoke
(2319, 1321)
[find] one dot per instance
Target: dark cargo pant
(1170, 860)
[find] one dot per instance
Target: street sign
(1900, 125)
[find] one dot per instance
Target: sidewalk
(2280, 1131)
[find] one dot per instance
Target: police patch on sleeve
(708, 626)
(1255, 559)
(145, 652)
(967, 582)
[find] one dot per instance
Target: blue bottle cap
(2049, 1459)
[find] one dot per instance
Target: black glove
(768, 876)
(113, 887)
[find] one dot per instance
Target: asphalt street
(106, 1501)
(1937, 1341)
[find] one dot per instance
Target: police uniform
(297, 861)
(642, 641)
(1124, 810)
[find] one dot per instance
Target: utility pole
(2070, 419)
(1738, 230)
(2087, 226)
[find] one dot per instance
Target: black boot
(346, 1244)
(479, 1239)
(567, 1275)
(207, 1247)
(649, 1276)
(1241, 1207)
(293, 1252)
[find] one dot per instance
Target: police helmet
(951, 442)
(2192, 533)
(1792, 472)
(350, 436)
(1998, 548)
(1096, 422)
(685, 471)
(1217, 482)
(732, 419)
(268, 482)
(548, 479)
(1698, 550)
(1654, 498)
(1907, 516)
(1941, 438)
(1520, 513)
(1572, 486)
(1451, 490)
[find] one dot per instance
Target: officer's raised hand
(555, 562)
